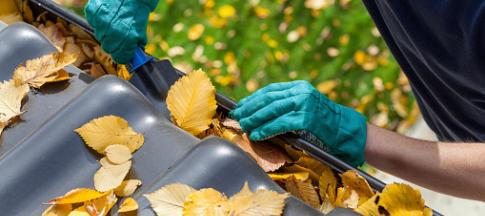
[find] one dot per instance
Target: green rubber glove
(120, 25)
(297, 106)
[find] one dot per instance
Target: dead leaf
(10, 101)
(117, 154)
(232, 124)
(327, 184)
(73, 49)
(169, 200)
(37, 72)
(298, 168)
(192, 102)
(128, 205)
(54, 35)
(109, 177)
(58, 210)
(80, 211)
(96, 71)
(357, 183)
(302, 176)
(107, 130)
(402, 199)
(294, 153)
(369, 207)
(123, 73)
(268, 156)
(303, 190)
(261, 202)
(326, 207)
(78, 195)
(127, 187)
(105, 60)
(208, 202)
(101, 206)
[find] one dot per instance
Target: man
(438, 44)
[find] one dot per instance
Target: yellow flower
(209, 4)
(327, 86)
(261, 12)
(226, 11)
(272, 43)
(229, 58)
(209, 40)
(224, 80)
(217, 22)
(344, 40)
(359, 57)
(195, 32)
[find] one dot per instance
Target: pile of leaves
(66, 37)
(112, 138)
(192, 104)
(180, 199)
(33, 74)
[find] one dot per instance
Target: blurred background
(246, 44)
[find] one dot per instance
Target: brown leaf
(269, 157)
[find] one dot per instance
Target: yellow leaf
(192, 102)
(357, 183)
(298, 168)
(127, 187)
(207, 202)
(401, 199)
(128, 205)
(10, 101)
(313, 164)
(77, 195)
(105, 60)
(117, 154)
(102, 132)
(346, 198)
(58, 210)
(123, 73)
(327, 184)
(301, 176)
(326, 207)
(80, 211)
(169, 200)
(303, 190)
(9, 13)
(101, 206)
(37, 72)
(110, 176)
(261, 202)
(294, 153)
(369, 207)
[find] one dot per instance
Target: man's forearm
(453, 168)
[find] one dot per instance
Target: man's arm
(453, 168)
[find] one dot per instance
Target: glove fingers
(274, 110)
(269, 88)
(291, 121)
(263, 100)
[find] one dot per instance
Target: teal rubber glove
(297, 106)
(120, 25)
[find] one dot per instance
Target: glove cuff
(351, 137)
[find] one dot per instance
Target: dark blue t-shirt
(440, 47)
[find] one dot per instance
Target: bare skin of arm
(457, 169)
